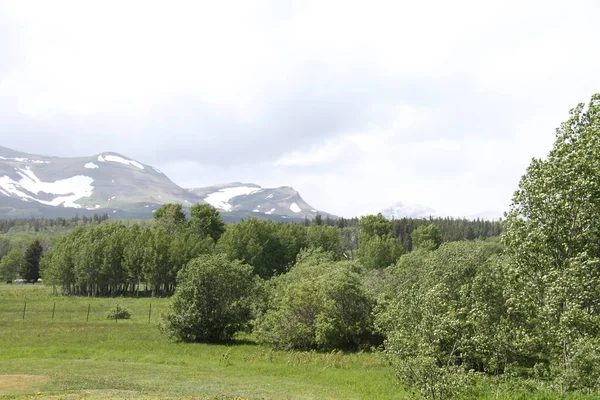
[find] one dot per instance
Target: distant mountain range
(43, 186)
(401, 210)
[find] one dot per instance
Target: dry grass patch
(17, 384)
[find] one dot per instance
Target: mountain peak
(125, 188)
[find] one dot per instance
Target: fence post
(24, 309)
(117, 314)
(87, 318)
(53, 309)
(150, 313)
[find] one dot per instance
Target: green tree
(257, 243)
(375, 225)
(11, 264)
(30, 267)
(212, 300)
(318, 304)
(57, 266)
(552, 236)
(4, 246)
(293, 238)
(378, 252)
(378, 248)
(445, 316)
(206, 221)
(325, 237)
(426, 237)
(170, 216)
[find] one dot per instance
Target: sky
(357, 105)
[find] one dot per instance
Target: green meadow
(73, 355)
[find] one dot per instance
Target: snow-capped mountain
(401, 210)
(42, 186)
(238, 197)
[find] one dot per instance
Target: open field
(70, 358)
(67, 357)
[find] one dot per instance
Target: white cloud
(357, 105)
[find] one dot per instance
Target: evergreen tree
(30, 268)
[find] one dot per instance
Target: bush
(319, 304)
(213, 300)
(445, 317)
(582, 372)
(118, 313)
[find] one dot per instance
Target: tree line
(49, 225)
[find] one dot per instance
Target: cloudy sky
(357, 105)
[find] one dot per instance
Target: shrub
(213, 300)
(318, 304)
(118, 313)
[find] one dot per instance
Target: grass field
(73, 356)
(69, 357)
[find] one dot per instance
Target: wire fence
(80, 310)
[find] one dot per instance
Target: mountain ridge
(109, 182)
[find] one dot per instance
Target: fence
(83, 310)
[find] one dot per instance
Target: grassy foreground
(69, 357)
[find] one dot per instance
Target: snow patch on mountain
(270, 212)
(91, 165)
(270, 196)
(294, 207)
(401, 210)
(24, 160)
(68, 190)
(117, 159)
(220, 199)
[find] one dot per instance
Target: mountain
(43, 186)
(237, 197)
(401, 210)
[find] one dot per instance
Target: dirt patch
(15, 384)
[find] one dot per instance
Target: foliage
(378, 248)
(255, 242)
(206, 221)
(115, 259)
(170, 216)
(118, 313)
(212, 300)
(553, 239)
(30, 267)
(11, 264)
(318, 304)
(427, 237)
(452, 229)
(375, 225)
(378, 252)
(52, 226)
(325, 237)
(582, 373)
(445, 317)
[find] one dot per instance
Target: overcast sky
(357, 105)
